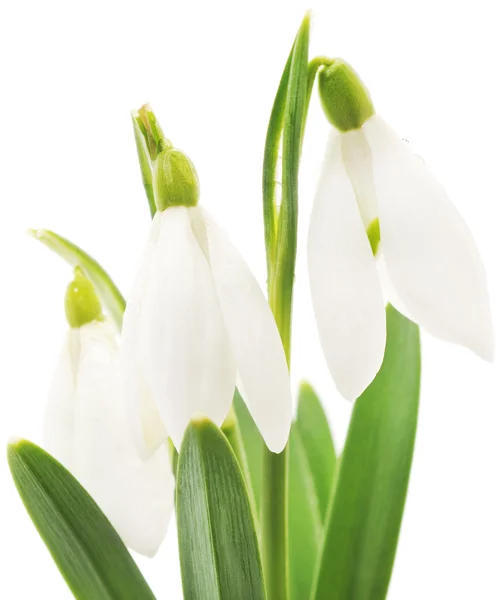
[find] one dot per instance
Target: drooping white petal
(146, 425)
(136, 496)
(185, 352)
(430, 254)
(254, 338)
(60, 408)
(357, 159)
(345, 289)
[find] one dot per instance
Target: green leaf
(305, 526)
(75, 256)
(218, 545)
(271, 155)
(253, 448)
(283, 272)
(366, 512)
(314, 430)
(87, 550)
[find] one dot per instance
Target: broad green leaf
(85, 547)
(253, 448)
(219, 554)
(366, 511)
(75, 256)
(305, 527)
(314, 430)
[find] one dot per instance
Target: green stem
(274, 525)
(314, 66)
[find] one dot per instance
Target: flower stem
(274, 530)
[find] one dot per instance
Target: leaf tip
(14, 446)
(15, 441)
(200, 420)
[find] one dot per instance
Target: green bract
(175, 180)
(344, 97)
(82, 305)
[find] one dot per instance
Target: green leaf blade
(218, 545)
(271, 155)
(107, 290)
(314, 430)
(365, 516)
(88, 552)
(253, 448)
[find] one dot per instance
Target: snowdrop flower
(376, 199)
(87, 431)
(196, 318)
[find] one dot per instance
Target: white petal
(185, 351)
(137, 496)
(254, 339)
(60, 410)
(430, 254)
(145, 423)
(86, 429)
(357, 159)
(345, 288)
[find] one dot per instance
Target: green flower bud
(344, 97)
(81, 302)
(175, 180)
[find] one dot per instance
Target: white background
(70, 73)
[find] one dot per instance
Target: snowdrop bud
(344, 97)
(81, 302)
(175, 180)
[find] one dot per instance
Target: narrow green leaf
(283, 272)
(305, 527)
(218, 545)
(274, 502)
(107, 290)
(314, 430)
(271, 154)
(366, 512)
(85, 547)
(253, 448)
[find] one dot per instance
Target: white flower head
(86, 428)
(195, 318)
(377, 202)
